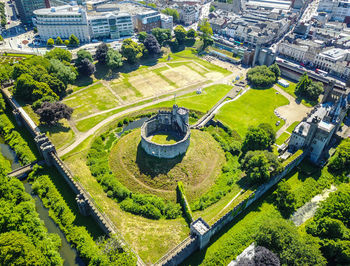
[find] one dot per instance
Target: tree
(86, 67)
(256, 167)
(284, 199)
(61, 71)
(255, 139)
(162, 35)
(172, 12)
(261, 76)
(212, 8)
(5, 72)
(132, 51)
(66, 42)
(81, 55)
(114, 59)
(282, 238)
(276, 70)
(54, 83)
(101, 53)
(51, 113)
(142, 36)
(50, 42)
(2, 105)
(207, 32)
(17, 249)
(152, 44)
(180, 34)
(24, 86)
(269, 131)
(340, 162)
(308, 88)
(60, 54)
(58, 41)
(18, 70)
(1, 38)
(191, 34)
(73, 41)
(35, 30)
(262, 257)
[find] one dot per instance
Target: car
(278, 123)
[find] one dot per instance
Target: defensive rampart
(199, 239)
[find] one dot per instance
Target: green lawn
(165, 139)
(291, 90)
(281, 139)
(254, 107)
(292, 126)
(199, 102)
(94, 99)
(306, 182)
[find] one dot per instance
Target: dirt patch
(182, 76)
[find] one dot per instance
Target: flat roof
(200, 227)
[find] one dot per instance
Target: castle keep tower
(174, 122)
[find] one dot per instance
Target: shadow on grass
(153, 166)
(299, 99)
(306, 169)
(57, 128)
(83, 81)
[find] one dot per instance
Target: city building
(62, 21)
(339, 10)
(25, 8)
(188, 14)
(166, 22)
(111, 25)
(147, 20)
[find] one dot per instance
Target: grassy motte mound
(140, 172)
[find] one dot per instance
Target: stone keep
(174, 122)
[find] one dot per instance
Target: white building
(188, 14)
(328, 59)
(61, 22)
(65, 20)
(293, 51)
(110, 25)
(338, 9)
(166, 22)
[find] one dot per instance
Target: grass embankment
(150, 238)
(254, 107)
(306, 182)
(281, 139)
(292, 126)
(142, 173)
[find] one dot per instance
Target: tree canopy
(50, 113)
(162, 35)
(152, 44)
(60, 54)
(172, 12)
(261, 76)
(307, 88)
(285, 199)
(73, 41)
(114, 59)
(207, 33)
(256, 138)
(101, 53)
(340, 163)
(86, 67)
(180, 34)
(132, 51)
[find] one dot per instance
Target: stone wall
(184, 250)
(164, 121)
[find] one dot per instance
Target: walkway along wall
(199, 240)
(86, 204)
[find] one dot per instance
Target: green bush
(261, 76)
(15, 141)
(185, 206)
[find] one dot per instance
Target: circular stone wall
(174, 122)
(151, 128)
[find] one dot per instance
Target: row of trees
(2, 14)
(72, 41)
(24, 240)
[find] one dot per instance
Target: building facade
(61, 22)
(25, 8)
(147, 21)
(338, 10)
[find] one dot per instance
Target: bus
(321, 72)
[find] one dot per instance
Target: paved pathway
(291, 112)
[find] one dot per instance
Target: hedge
(78, 236)
(185, 206)
(15, 141)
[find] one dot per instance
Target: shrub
(182, 199)
(261, 76)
